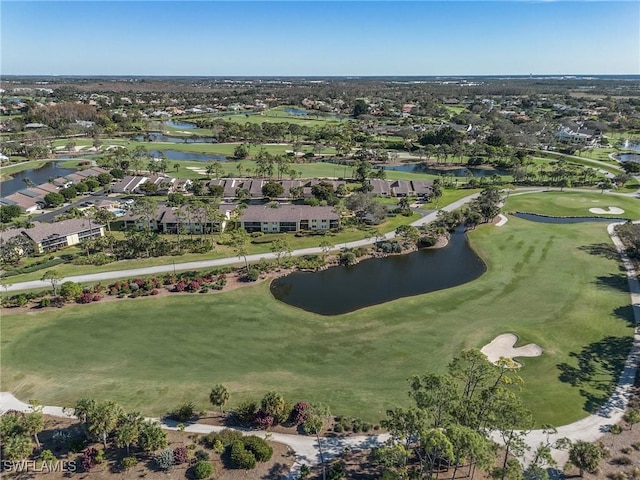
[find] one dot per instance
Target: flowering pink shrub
(180, 455)
(263, 420)
(299, 413)
(86, 297)
(89, 459)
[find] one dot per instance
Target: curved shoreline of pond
(373, 281)
(537, 217)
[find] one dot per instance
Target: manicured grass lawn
(572, 204)
(278, 115)
(305, 170)
(543, 283)
(594, 159)
(455, 109)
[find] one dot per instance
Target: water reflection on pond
(340, 290)
(628, 157)
(192, 156)
(564, 220)
(461, 171)
(161, 137)
(36, 175)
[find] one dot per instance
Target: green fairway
(279, 115)
(549, 284)
(572, 204)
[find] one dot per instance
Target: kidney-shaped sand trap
(502, 346)
(609, 210)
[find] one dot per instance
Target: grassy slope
(567, 204)
(152, 354)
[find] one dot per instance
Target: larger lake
(36, 175)
(456, 171)
(191, 156)
(340, 290)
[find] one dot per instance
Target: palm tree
(219, 396)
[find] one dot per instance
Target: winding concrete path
(305, 448)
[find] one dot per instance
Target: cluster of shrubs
(95, 259)
(135, 288)
(184, 412)
(128, 463)
(88, 297)
(243, 452)
(272, 410)
(21, 299)
(300, 413)
(355, 425)
(202, 469)
(252, 275)
(348, 257)
(427, 241)
(310, 262)
(389, 247)
(166, 459)
(34, 267)
(201, 284)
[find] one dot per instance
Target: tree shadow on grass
(598, 368)
(615, 281)
(625, 312)
(605, 250)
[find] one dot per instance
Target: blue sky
(319, 38)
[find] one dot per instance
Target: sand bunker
(610, 211)
(198, 170)
(502, 346)
(503, 220)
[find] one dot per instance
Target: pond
(563, 220)
(161, 137)
(181, 125)
(338, 290)
(193, 156)
(296, 111)
(461, 171)
(628, 157)
(36, 175)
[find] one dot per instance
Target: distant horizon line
(485, 75)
